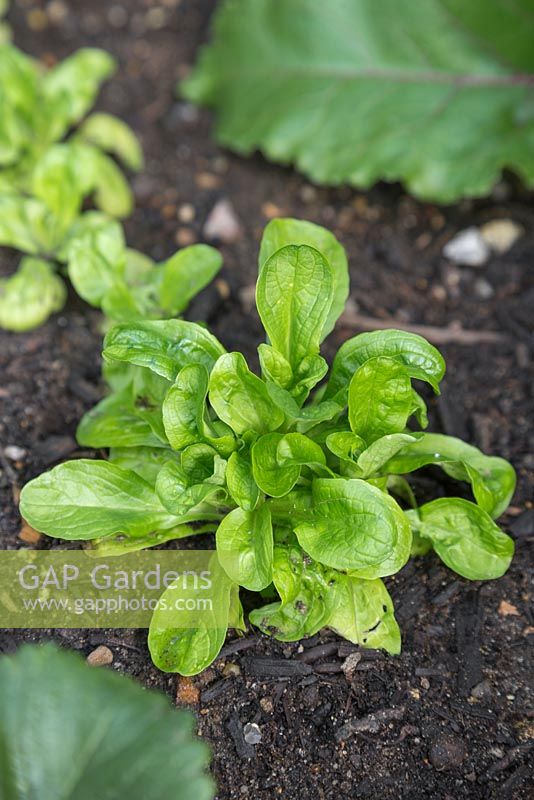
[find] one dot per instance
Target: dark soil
(453, 718)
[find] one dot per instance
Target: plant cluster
(300, 472)
(435, 93)
(48, 168)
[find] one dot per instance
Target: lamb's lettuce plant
(298, 472)
(52, 158)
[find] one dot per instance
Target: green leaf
(294, 296)
(380, 399)
(303, 586)
(112, 192)
(181, 495)
(185, 274)
(345, 445)
(240, 482)
(26, 224)
(71, 87)
(282, 232)
(146, 461)
(29, 296)
(465, 537)
(274, 366)
(55, 181)
(351, 524)
(189, 641)
(164, 346)
(116, 422)
(420, 358)
(69, 730)
(89, 499)
(97, 260)
(245, 547)
(298, 449)
(362, 612)
(306, 417)
(272, 478)
(352, 96)
(374, 457)
(185, 405)
(113, 135)
(492, 479)
(240, 398)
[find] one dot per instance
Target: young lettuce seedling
(45, 177)
(298, 483)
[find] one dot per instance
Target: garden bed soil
(452, 716)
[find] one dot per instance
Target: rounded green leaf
(420, 358)
(270, 475)
(294, 296)
(492, 479)
(113, 135)
(240, 398)
(281, 232)
(188, 640)
(240, 482)
(362, 612)
(245, 547)
(29, 296)
(185, 274)
(163, 346)
(89, 499)
(351, 525)
(380, 399)
(466, 538)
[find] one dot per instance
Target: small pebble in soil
(29, 535)
(186, 213)
(252, 733)
(447, 752)
(266, 704)
(501, 234)
(187, 694)
(467, 248)
(185, 237)
(222, 223)
(14, 452)
(231, 670)
(483, 289)
(482, 691)
(100, 657)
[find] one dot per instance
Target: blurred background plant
(438, 94)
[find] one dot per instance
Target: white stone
(467, 248)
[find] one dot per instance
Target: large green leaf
(294, 296)
(74, 732)
(282, 232)
(164, 346)
(88, 499)
(465, 537)
(437, 93)
(380, 399)
(245, 547)
(420, 358)
(492, 478)
(187, 641)
(240, 398)
(351, 525)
